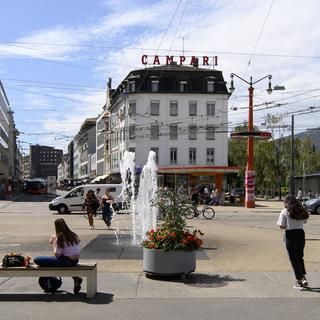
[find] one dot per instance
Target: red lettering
(156, 60)
(215, 60)
(194, 61)
(182, 59)
(144, 59)
(170, 59)
(205, 61)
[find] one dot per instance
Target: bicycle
(193, 211)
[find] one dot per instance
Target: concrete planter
(159, 262)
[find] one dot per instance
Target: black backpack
(13, 260)
(50, 284)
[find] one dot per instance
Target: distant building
(44, 161)
(26, 168)
(84, 148)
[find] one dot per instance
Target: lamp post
(250, 173)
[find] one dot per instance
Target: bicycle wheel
(99, 214)
(208, 213)
(189, 212)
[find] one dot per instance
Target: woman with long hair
(91, 204)
(292, 218)
(106, 204)
(66, 249)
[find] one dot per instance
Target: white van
(74, 199)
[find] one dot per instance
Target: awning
(198, 170)
(98, 178)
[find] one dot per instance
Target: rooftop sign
(180, 60)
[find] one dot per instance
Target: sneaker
(77, 285)
(298, 286)
(304, 282)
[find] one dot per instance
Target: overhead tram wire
(173, 50)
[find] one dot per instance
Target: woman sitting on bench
(66, 249)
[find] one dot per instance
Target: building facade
(180, 113)
(44, 161)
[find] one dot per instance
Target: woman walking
(292, 218)
(66, 250)
(106, 204)
(91, 204)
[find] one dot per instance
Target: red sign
(181, 60)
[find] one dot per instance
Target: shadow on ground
(200, 280)
(59, 296)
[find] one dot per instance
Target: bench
(80, 270)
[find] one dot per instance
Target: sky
(56, 56)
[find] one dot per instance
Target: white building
(179, 112)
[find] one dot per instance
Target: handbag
(50, 284)
(13, 260)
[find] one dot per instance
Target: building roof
(169, 77)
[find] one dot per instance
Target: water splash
(145, 215)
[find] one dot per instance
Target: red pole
(250, 173)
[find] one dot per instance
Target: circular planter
(159, 262)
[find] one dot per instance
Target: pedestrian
(98, 195)
(66, 251)
(310, 195)
(195, 197)
(215, 197)
(106, 204)
(91, 204)
(292, 218)
(299, 195)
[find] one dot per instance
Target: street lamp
(250, 173)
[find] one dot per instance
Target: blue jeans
(52, 261)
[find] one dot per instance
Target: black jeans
(295, 242)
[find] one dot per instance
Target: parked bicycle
(193, 211)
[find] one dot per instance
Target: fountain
(144, 217)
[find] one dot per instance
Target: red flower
(190, 238)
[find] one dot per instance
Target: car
(237, 192)
(313, 205)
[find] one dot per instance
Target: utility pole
(292, 189)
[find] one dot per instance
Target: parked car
(313, 205)
(74, 199)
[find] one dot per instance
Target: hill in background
(313, 135)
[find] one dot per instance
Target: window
(154, 132)
(173, 132)
(132, 132)
(173, 155)
(210, 156)
(132, 86)
(183, 86)
(210, 86)
(156, 150)
(132, 108)
(173, 108)
(210, 108)
(210, 132)
(154, 108)
(154, 85)
(192, 108)
(192, 155)
(192, 132)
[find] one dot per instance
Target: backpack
(50, 284)
(13, 260)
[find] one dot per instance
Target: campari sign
(180, 60)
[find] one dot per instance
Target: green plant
(173, 233)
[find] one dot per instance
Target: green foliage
(173, 233)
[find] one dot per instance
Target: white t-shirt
(285, 220)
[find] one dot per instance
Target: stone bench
(80, 270)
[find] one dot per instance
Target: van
(74, 199)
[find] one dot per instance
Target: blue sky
(56, 56)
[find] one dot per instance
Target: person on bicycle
(195, 197)
(106, 203)
(91, 204)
